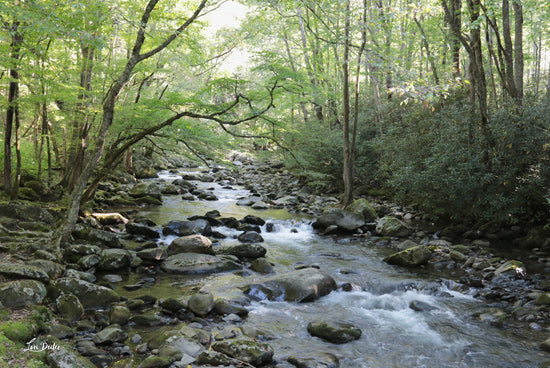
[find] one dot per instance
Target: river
(445, 334)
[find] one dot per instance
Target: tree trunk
(518, 50)
(12, 112)
(456, 19)
(347, 174)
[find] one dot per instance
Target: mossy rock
(155, 362)
(18, 331)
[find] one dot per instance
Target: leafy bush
(441, 160)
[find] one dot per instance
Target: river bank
(139, 297)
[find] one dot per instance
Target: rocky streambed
(209, 268)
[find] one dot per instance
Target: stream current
(445, 334)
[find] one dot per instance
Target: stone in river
(190, 263)
(335, 332)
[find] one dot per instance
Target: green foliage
(440, 160)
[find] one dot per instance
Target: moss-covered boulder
(26, 211)
(62, 355)
(89, 294)
(114, 259)
(190, 244)
(23, 271)
(18, 331)
(335, 332)
(69, 307)
(391, 226)
(190, 263)
(110, 335)
(364, 208)
(245, 349)
(22, 293)
(119, 314)
(411, 257)
(201, 303)
(244, 251)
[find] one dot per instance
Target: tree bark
(518, 49)
(347, 174)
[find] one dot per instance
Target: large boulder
(345, 220)
(246, 350)
(90, 295)
(250, 237)
(25, 211)
(245, 251)
(23, 271)
(190, 263)
(314, 359)
(141, 229)
(411, 257)
(201, 303)
(61, 354)
(304, 285)
(190, 244)
(363, 207)
(110, 335)
(104, 238)
(335, 332)
(22, 293)
(114, 259)
(143, 190)
(184, 228)
(390, 226)
(73, 253)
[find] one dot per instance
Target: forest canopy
(443, 104)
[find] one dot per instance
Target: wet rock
(411, 257)
(110, 335)
(543, 299)
(253, 220)
(104, 238)
(89, 261)
(170, 352)
(304, 285)
(142, 190)
(23, 271)
(173, 305)
(190, 244)
(155, 362)
(184, 228)
(141, 229)
(346, 221)
(545, 345)
(213, 358)
(249, 201)
(250, 237)
(363, 208)
(512, 268)
(390, 226)
(146, 320)
(119, 314)
(244, 251)
(335, 332)
(260, 205)
(261, 265)
(22, 293)
(201, 303)
(492, 316)
(224, 307)
(245, 349)
(60, 331)
(153, 254)
(314, 360)
(69, 307)
(90, 295)
(420, 306)
(114, 259)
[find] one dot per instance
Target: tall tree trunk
(347, 175)
(518, 49)
(508, 50)
(456, 19)
(12, 112)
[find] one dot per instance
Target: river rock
(142, 190)
(224, 307)
(22, 293)
(493, 316)
(23, 271)
(69, 307)
(153, 254)
(90, 295)
(89, 261)
(114, 218)
(104, 238)
(141, 229)
(363, 207)
(245, 251)
(201, 303)
(250, 237)
(173, 305)
(110, 335)
(314, 360)
(62, 355)
(262, 265)
(119, 314)
(213, 358)
(75, 252)
(52, 269)
(346, 221)
(304, 285)
(512, 268)
(411, 257)
(190, 244)
(245, 349)
(114, 259)
(189, 263)
(155, 362)
(335, 332)
(390, 226)
(184, 228)
(253, 220)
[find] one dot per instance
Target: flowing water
(394, 335)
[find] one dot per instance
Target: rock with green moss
(213, 358)
(69, 307)
(114, 259)
(335, 332)
(511, 267)
(26, 211)
(191, 263)
(314, 359)
(201, 303)
(245, 349)
(119, 314)
(60, 354)
(363, 207)
(74, 253)
(23, 271)
(543, 299)
(90, 295)
(411, 257)
(18, 331)
(492, 316)
(110, 335)
(53, 269)
(22, 293)
(391, 226)
(155, 362)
